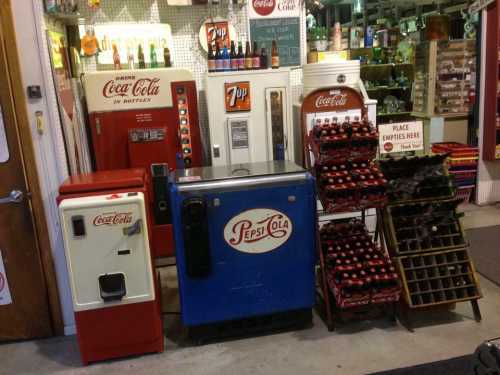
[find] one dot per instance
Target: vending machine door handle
(133, 229)
(196, 238)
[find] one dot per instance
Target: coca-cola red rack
(358, 272)
(339, 150)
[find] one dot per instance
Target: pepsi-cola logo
(258, 230)
(140, 87)
(264, 7)
(113, 218)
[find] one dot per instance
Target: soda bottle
(226, 60)
(219, 66)
(233, 56)
(248, 56)
(140, 57)
(166, 57)
(275, 57)
(263, 58)
(241, 57)
(116, 58)
(210, 59)
(130, 58)
(255, 57)
(152, 56)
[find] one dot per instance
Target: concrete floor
(355, 348)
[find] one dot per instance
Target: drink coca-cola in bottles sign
(237, 96)
(258, 230)
(132, 89)
(274, 8)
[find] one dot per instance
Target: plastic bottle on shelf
(226, 60)
(248, 57)
(241, 57)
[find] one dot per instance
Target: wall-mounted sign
(237, 96)
(286, 33)
(127, 37)
(216, 31)
(274, 8)
(258, 230)
(5, 297)
(401, 137)
(121, 89)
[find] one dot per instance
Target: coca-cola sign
(332, 100)
(141, 87)
(258, 230)
(274, 9)
(112, 218)
(264, 7)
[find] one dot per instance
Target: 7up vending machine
(245, 244)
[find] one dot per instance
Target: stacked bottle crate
(424, 235)
(358, 272)
(348, 177)
(462, 165)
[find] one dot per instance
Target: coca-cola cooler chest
(115, 295)
(245, 241)
(146, 118)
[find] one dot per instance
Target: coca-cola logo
(258, 230)
(141, 87)
(113, 218)
(335, 100)
(264, 7)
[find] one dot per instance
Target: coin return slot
(112, 287)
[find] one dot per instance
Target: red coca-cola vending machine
(146, 118)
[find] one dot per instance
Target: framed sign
(401, 137)
(237, 96)
(216, 31)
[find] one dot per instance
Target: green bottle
(152, 56)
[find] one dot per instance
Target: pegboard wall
(185, 22)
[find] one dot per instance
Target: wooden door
(27, 315)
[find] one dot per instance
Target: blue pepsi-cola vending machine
(245, 240)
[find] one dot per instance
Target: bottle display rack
(427, 243)
(417, 178)
(438, 278)
(352, 280)
(350, 185)
(423, 226)
(358, 271)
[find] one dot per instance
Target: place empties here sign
(401, 137)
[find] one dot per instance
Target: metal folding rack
(339, 100)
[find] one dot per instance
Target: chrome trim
(235, 183)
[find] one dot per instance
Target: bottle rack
(438, 278)
(417, 178)
(358, 272)
(427, 243)
(423, 226)
(345, 157)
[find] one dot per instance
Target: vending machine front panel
(245, 240)
(107, 250)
